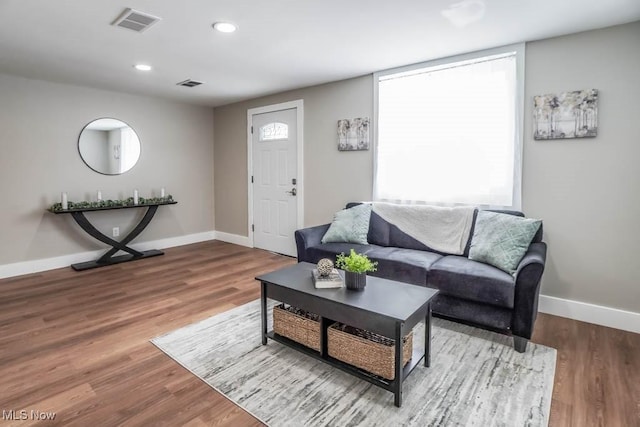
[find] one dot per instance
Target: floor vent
(135, 20)
(189, 83)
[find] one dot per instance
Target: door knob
(293, 191)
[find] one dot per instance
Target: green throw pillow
(502, 239)
(350, 225)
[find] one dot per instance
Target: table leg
(116, 246)
(263, 303)
(324, 324)
(427, 337)
(109, 257)
(398, 366)
(122, 245)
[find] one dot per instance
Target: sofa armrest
(308, 237)
(527, 291)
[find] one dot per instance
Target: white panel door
(274, 156)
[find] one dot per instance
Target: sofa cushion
(379, 229)
(471, 280)
(350, 225)
(400, 239)
(502, 240)
(403, 265)
(383, 233)
(330, 250)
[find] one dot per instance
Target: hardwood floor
(77, 344)
(597, 380)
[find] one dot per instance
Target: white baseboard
(172, 242)
(35, 266)
(233, 238)
(591, 313)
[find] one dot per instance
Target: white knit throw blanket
(440, 228)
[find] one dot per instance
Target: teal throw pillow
(502, 239)
(350, 225)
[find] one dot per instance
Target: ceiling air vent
(135, 20)
(189, 83)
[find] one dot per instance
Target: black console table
(108, 258)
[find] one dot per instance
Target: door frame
(299, 107)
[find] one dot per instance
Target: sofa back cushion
(400, 239)
(379, 229)
(382, 233)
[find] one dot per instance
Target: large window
(450, 132)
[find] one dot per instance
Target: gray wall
(586, 190)
(39, 127)
(332, 178)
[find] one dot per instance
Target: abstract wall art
(353, 135)
(566, 115)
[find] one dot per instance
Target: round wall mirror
(109, 146)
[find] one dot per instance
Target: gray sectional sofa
(470, 291)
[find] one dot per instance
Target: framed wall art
(353, 134)
(566, 115)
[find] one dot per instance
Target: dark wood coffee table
(386, 307)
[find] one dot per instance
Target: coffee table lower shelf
(389, 385)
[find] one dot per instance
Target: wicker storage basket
(366, 350)
(297, 325)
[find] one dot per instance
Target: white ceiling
(280, 44)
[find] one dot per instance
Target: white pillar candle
(64, 201)
(162, 192)
(135, 197)
(99, 195)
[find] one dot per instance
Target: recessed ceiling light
(225, 27)
(142, 67)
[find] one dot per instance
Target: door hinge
(252, 179)
(253, 227)
(252, 129)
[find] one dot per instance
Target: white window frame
(519, 50)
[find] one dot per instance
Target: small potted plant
(356, 267)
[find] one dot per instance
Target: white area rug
(475, 378)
